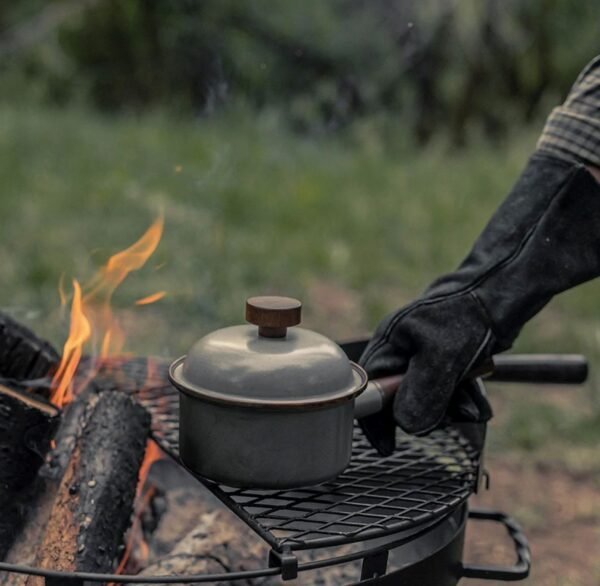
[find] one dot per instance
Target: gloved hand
(544, 239)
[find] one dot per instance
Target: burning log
(39, 500)
(26, 428)
(27, 421)
(22, 354)
(93, 504)
(199, 552)
(74, 420)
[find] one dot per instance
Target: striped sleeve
(572, 131)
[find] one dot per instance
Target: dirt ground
(560, 513)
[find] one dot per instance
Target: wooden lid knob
(273, 315)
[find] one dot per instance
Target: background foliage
(442, 65)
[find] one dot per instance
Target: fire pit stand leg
(375, 565)
(285, 560)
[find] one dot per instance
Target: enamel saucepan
(273, 406)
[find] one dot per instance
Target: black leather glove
(544, 239)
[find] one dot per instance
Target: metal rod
(63, 577)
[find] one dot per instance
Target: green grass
(354, 225)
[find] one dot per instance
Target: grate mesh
(424, 479)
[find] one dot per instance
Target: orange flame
(110, 276)
(92, 316)
(79, 332)
(151, 298)
(153, 454)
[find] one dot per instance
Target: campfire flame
(153, 454)
(92, 317)
(79, 332)
(151, 298)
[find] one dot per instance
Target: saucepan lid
(274, 364)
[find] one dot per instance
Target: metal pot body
(265, 448)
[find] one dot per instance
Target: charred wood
(23, 355)
(93, 504)
(196, 535)
(75, 417)
(38, 501)
(26, 429)
(146, 380)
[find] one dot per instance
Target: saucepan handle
(517, 368)
(522, 566)
(540, 368)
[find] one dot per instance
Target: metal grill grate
(424, 479)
